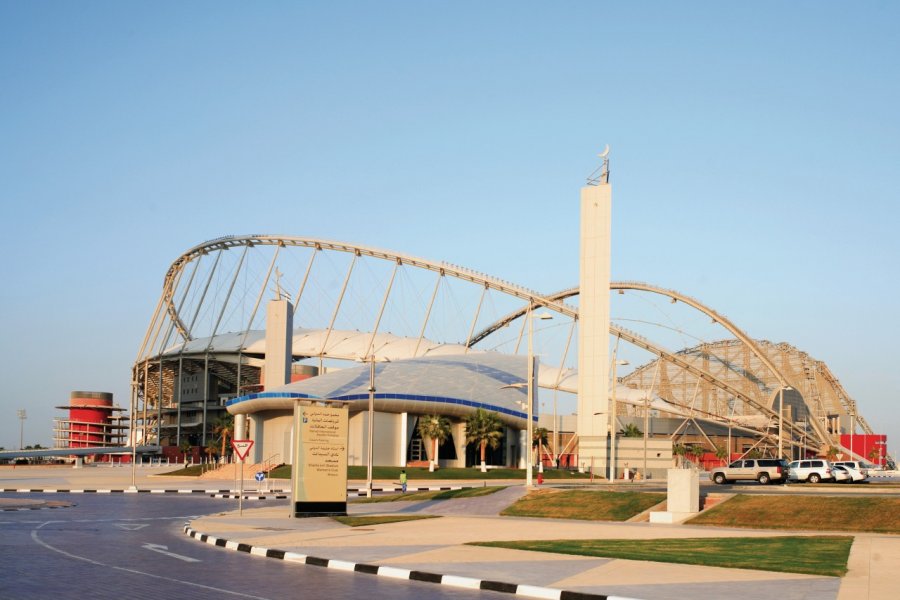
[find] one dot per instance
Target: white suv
(813, 471)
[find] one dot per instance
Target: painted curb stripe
(232, 493)
(529, 591)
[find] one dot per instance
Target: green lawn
(368, 520)
(191, 471)
(818, 555)
(877, 514)
(589, 505)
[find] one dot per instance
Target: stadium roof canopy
(452, 385)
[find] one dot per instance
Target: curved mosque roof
(452, 385)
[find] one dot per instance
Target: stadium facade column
(277, 368)
(279, 343)
(593, 329)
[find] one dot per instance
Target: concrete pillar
(683, 497)
(594, 416)
(279, 341)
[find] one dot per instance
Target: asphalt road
(132, 546)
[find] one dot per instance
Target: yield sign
(242, 447)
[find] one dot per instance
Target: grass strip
(880, 514)
(810, 555)
(368, 520)
(434, 495)
(585, 505)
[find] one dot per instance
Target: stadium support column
(593, 327)
(279, 340)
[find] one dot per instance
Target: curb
(33, 508)
(528, 591)
(249, 497)
(99, 491)
(214, 493)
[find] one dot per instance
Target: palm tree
(697, 451)
(875, 455)
(679, 451)
(631, 431)
(539, 438)
(485, 429)
(722, 454)
(437, 428)
(224, 428)
(185, 448)
(210, 449)
(831, 453)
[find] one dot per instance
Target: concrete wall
(387, 439)
(630, 454)
(271, 434)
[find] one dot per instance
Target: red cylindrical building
(92, 421)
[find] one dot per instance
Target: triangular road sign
(242, 447)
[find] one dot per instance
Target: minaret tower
(593, 316)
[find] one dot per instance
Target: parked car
(860, 466)
(763, 470)
(813, 471)
(840, 474)
(853, 475)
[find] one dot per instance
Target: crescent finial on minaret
(603, 176)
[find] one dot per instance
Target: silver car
(763, 470)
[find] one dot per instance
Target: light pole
(371, 449)
(22, 416)
(781, 419)
(612, 420)
(371, 425)
(529, 428)
(646, 433)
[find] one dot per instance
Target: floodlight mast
(22, 416)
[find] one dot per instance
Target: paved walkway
(437, 546)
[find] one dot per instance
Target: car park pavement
(436, 550)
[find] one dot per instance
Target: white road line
(36, 538)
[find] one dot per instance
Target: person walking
(403, 480)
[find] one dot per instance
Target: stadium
(397, 337)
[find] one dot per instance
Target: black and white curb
(528, 591)
(250, 496)
(216, 493)
(99, 491)
(398, 489)
(35, 508)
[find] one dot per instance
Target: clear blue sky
(755, 153)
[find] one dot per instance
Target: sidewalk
(435, 550)
(436, 547)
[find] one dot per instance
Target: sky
(754, 148)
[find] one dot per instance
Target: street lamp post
(781, 419)
(646, 433)
(612, 419)
(371, 449)
(529, 427)
(22, 416)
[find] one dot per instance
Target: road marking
(131, 526)
(36, 538)
(165, 550)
